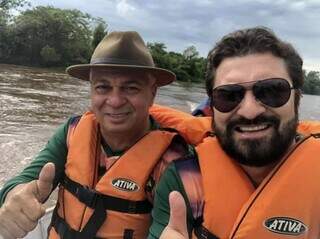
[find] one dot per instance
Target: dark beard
(258, 153)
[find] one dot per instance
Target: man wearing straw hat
(107, 161)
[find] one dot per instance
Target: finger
(178, 214)
(23, 203)
(10, 229)
(34, 211)
(24, 222)
(14, 219)
(45, 181)
(5, 234)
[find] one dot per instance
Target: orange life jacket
(114, 206)
(195, 129)
(286, 203)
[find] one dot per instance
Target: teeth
(253, 128)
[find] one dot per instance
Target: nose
(115, 99)
(249, 107)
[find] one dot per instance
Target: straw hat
(122, 50)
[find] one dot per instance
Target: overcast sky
(182, 23)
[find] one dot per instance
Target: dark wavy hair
(251, 41)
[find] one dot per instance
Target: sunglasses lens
(272, 92)
(225, 98)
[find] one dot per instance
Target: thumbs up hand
(23, 206)
(177, 227)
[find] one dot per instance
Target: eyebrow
(138, 82)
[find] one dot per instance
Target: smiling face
(121, 101)
(254, 134)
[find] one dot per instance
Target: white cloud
(311, 64)
(124, 9)
(202, 23)
(298, 6)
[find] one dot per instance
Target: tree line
(52, 37)
(47, 36)
(311, 83)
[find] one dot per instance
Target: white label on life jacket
(125, 184)
(285, 225)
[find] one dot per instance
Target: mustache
(261, 119)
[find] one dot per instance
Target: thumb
(178, 214)
(44, 183)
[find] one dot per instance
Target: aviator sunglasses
(274, 92)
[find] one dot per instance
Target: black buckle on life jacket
(128, 234)
(132, 207)
(203, 233)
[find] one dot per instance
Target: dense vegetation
(48, 36)
(311, 83)
(188, 66)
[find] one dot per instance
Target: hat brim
(163, 77)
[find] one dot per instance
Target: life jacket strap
(89, 231)
(317, 135)
(128, 234)
(203, 233)
(198, 221)
(90, 198)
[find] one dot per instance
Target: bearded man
(255, 175)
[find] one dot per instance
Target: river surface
(33, 102)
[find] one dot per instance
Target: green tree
(6, 5)
(49, 55)
(159, 54)
(311, 83)
(99, 32)
(5, 31)
(188, 66)
(193, 64)
(66, 31)
(190, 53)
